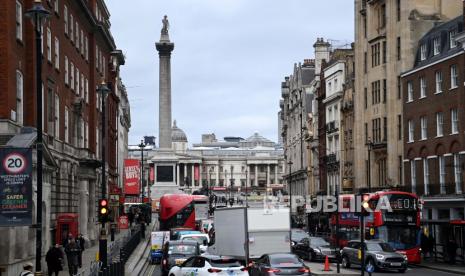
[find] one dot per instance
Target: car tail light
(214, 270)
(273, 270)
(304, 270)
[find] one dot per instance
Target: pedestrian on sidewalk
(27, 270)
(452, 250)
(81, 242)
(54, 259)
(67, 240)
(142, 228)
(72, 253)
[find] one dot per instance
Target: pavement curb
(453, 271)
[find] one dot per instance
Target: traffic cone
(326, 264)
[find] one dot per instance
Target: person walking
(27, 270)
(72, 253)
(54, 259)
(81, 242)
(67, 240)
(452, 250)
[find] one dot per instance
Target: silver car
(378, 254)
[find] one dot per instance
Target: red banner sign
(131, 176)
(196, 173)
(152, 174)
(123, 222)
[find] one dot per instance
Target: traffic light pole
(103, 235)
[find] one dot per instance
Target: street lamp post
(142, 146)
(290, 203)
(103, 90)
(231, 200)
(209, 187)
(38, 15)
(369, 145)
(246, 189)
(337, 228)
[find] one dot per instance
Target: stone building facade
(78, 53)
(434, 140)
(386, 33)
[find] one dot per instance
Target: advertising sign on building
(15, 186)
(123, 222)
(131, 176)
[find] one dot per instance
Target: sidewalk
(90, 254)
(318, 269)
(458, 268)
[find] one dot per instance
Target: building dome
(177, 134)
(256, 140)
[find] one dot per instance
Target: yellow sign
(372, 231)
(359, 254)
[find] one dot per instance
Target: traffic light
(103, 211)
(365, 205)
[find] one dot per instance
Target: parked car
(314, 249)
(279, 264)
(176, 253)
(208, 265)
(202, 239)
(378, 254)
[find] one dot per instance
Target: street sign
(15, 187)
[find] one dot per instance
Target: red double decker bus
(178, 210)
(399, 227)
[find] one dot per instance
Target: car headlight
(405, 257)
(379, 256)
(292, 243)
(317, 250)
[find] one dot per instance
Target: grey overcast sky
(229, 59)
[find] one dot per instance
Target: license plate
(179, 261)
(396, 264)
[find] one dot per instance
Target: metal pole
(369, 166)
(246, 190)
(230, 189)
(337, 229)
(103, 235)
(39, 148)
(142, 170)
(362, 240)
(290, 204)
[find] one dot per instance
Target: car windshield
(298, 235)
(225, 263)
(198, 239)
(318, 242)
(182, 249)
(284, 260)
(380, 247)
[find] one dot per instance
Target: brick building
(434, 133)
(78, 53)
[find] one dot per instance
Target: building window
(365, 65)
(398, 49)
(399, 127)
(375, 55)
(65, 18)
(457, 174)
(56, 6)
(376, 130)
(86, 48)
(97, 142)
(365, 29)
(409, 91)
(385, 132)
(438, 77)
(19, 97)
(422, 87)
(82, 42)
(426, 175)
(96, 56)
(71, 27)
(454, 121)
(439, 124)
(382, 16)
(452, 42)
(413, 176)
(399, 87)
(86, 135)
(66, 125)
(83, 90)
(384, 90)
(410, 131)
(366, 132)
(87, 90)
(398, 10)
(19, 21)
(49, 45)
(436, 46)
(399, 159)
(57, 53)
(375, 92)
(424, 127)
(66, 70)
(442, 174)
(76, 78)
(366, 97)
(423, 51)
(77, 34)
(57, 116)
(71, 76)
(384, 52)
(454, 79)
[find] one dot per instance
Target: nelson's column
(164, 48)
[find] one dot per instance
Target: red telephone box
(66, 223)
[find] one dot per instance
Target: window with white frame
(82, 42)
(452, 42)
(49, 44)
(71, 27)
(97, 142)
(19, 20)
(19, 97)
(422, 87)
(96, 56)
(410, 131)
(76, 78)
(81, 133)
(436, 45)
(409, 91)
(87, 90)
(77, 34)
(426, 175)
(438, 77)
(71, 76)
(442, 174)
(56, 6)
(423, 51)
(424, 128)
(86, 135)
(86, 48)
(454, 79)
(413, 176)
(82, 86)
(454, 121)
(104, 67)
(66, 70)
(66, 125)
(57, 116)
(65, 18)
(457, 174)
(57, 53)
(439, 124)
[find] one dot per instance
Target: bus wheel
(345, 262)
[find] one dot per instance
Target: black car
(279, 264)
(176, 252)
(298, 234)
(313, 249)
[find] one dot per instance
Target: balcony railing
(331, 127)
